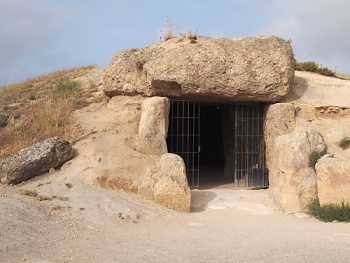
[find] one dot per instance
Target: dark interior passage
(212, 153)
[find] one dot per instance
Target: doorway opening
(220, 144)
(212, 154)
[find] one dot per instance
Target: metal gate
(249, 153)
(250, 161)
(184, 136)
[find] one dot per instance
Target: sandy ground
(225, 225)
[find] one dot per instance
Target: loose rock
(35, 160)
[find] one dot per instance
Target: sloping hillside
(41, 107)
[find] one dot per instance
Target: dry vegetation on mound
(312, 66)
(40, 108)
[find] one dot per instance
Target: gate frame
(253, 176)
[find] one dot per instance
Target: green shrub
(66, 84)
(3, 120)
(330, 212)
(325, 72)
(345, 143)
(311, 66)
(315, 156)
(32, 96)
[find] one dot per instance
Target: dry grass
(28, 192)
(40, 108)
(57, 208)
(170, 33)
(34, 193)
(43, 198)
(63, 198)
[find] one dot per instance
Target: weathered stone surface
(279, 120)
(317, 90)
(153, 127)
(167, 185)
(293, 182)
(333, 180)
(247, 69)
(35, 160)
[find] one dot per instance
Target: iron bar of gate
(184, 139)
(249, 154)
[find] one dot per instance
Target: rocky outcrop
(35, 160)
(153, 126)
(333, 180)
(167, 184)
(293, 182)
(211, 69)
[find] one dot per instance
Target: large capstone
(211, 69)
(35, 160)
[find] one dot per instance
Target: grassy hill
(41, 107)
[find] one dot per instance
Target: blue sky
(42, 36)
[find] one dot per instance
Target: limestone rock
(167, 185)
(293, 183)
(153, 126)
(317, 90)
(333, 180)
(247, 69)
(35, 160)
(279, 120)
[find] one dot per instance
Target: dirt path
(225, 225)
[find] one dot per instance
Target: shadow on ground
(200, 200)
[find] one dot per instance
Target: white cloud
(27, 31)
(318, 29)
(22, 30)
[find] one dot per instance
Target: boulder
(153, 126)
(293, 183)
(209, 69)
(333, 180)
(167, 184)
(280, 119)
(35, 160)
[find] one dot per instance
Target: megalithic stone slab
(211, 69)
